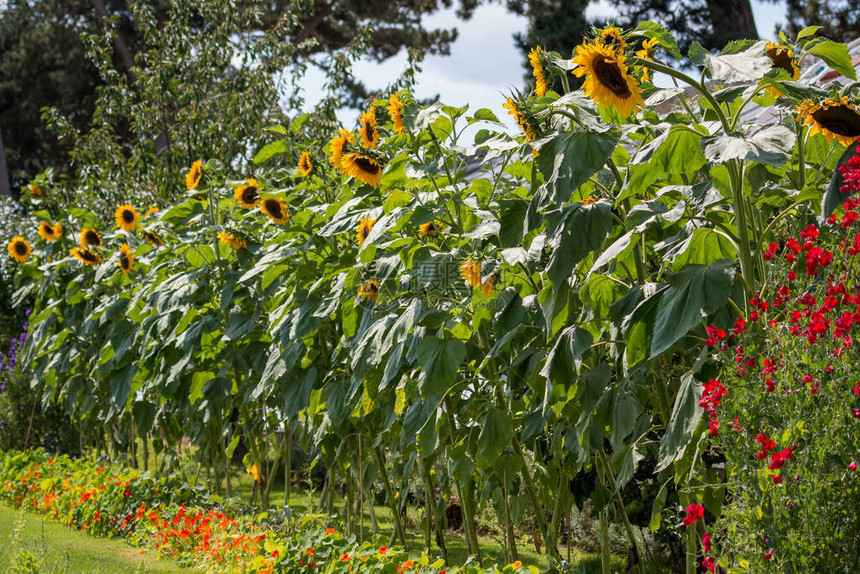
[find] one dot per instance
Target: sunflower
(48, 232)
(606, 78)
(613, 39)
(395, 110)
(369, 132)
(783, 59)
(34, 190)
(153, 238)
(194, 175)
(234, 241)
(536, 60)
(89, 236)
(86, 256)
(19, 249)
(515, 111)
(275, 209)
(150, 211)
(646, 52)
(248, 195)
(126, 259)
(306, 166)
(363, 229)
(588, 200)
(470, 270)
(338, 145)
(431, 228)
(835, 119)
(126, 217)
(362, 167)
(58, 229)
(369, 291)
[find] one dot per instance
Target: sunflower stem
(801, 154)
(747, 273)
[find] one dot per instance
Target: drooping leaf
(579, 230)
(439, 361)
(570, 158)
(771, 145)
(495, 434)
(686, 414)
(836, 56)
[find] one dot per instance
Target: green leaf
(269, 151)
(836, 56)
(653, 30)
(496, 432)
(772, 145)
(562, 361)
(686, 414)
(704, 247)
(570, 158)
(577, 232)
(808, 31)
(439, 361)
(748, 65)
(833, 198)
(601, 291)
(694, 292)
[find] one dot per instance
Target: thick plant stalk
(535, 501)
(604, 542)
(619, 504)
(510, 539)
(288, 463)
(471, 533)
(692, 550)
(430, 501)
(395, 514)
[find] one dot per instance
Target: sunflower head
(35, 190)
(368, 130)
(470, 270)
(369, 291)
(339, 145)
(126, 259)
(612, 38)
(150, 211)
(539, 70)
(48, 232)
(306, 166)
(89, 236)
(362, 167)
(431, 228)
(275, 209)
(153, 238)
(19, 249)
(518, 109)
(395, 110)
(86, 256)
(194, 175)
(588, 200)
(607, 80)
(231, 239)
(783, 59)
(835, 119)
(126, 217)
(248, 195)
(646, 52)
(363, 229)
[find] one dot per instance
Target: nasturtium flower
(369, 291)
(612, 38)
(89, 236)
(607, 79)
(835, 119)
(536, 60)
(514, 108)
(49, 232)
(19, 249)
(306, 166)
(126, 259)
(86, 256)
(231, 239)
(431, 228)
(368, 130)
(248, 194)
(126, 217)
(395, 110)
(194, 175)
(362, 167)
(363, 229)
(339, 145)
(34, 190)
(153, 238)
(275, 209)
(646, 52)
(470, 270)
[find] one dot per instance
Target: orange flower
(383, 549)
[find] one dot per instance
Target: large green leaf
(772, 145)
(836, 56)
(704, 246)
(495, 434)
(570, 158)
(578, 231)
(439, 361)
(696, 291)
(686, 415)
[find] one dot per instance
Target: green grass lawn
(54, 548)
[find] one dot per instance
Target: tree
(840, 19)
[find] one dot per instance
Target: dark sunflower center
(365, 231)
(612, 41)
(274, 208)
(47, 229)
(373, 288)
(840, 120)
(781, 60)
(88, 255)
(431, 229)
(611, 77)
(368, 131)
(123, 259)
(92, 238)
(249, 195)
(127, 216)
(368, 165)
(20, 248)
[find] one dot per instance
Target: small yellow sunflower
(194, 175)
(646, 52)
(834, 119)
(89, 236)
(126, 217)
(395, 110)
(86, 256)
(275, 209)
(588, 200)
(48, 232)
(369, 291)
(362, 167)
(367, 129)
(470, 270)
(248, 195)
(607, 80)
(363, 229)
(783, 59)
(19, 249)
(153, 238)
(338, 146)
(126, 259)
(431, 228)
(536, 60)
(58, 229)
(613, 39)
(306, 166)
(34, 190)
(231, 239)
(515, 111)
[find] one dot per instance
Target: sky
(484, 64)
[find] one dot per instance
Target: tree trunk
(732, 20)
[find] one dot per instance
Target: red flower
(768, 555)
(706, 542)
(695, 512)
